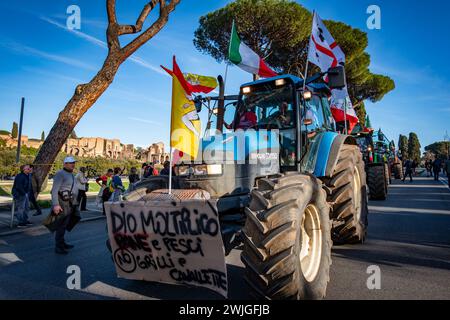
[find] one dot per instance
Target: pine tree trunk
(87, 94)
(84, 97)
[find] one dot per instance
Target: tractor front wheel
(287, 243)
(347, 194)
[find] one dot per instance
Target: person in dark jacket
(408, 170)
(133, 177)
(166, 170)
(437, 164)
(21, 192)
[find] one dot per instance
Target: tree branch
(112, 36)
(165, 10)
(131, 29)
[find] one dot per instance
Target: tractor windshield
(266, 106)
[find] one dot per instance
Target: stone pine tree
(403, 146)
(279, 30)
(86, 95)
(414, 147)
(15, 130)
(42, 136)
(440, 149)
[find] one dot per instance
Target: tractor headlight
(200, 170)
(183, 170)
(214, 169)
(208, 169)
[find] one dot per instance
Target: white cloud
(136, 59)
(145, 121)
(52, 74)
(23, 49)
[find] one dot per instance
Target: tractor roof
(313, 86)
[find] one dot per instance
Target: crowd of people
(25, 190)
(69, 194)
(433, 168)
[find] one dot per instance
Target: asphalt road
(409, 240)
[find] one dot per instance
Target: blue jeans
(22, 204)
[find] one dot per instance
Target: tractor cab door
(314, 119)
(270, 107)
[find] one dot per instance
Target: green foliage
(95, 166)
(440, 149)
(4, 132)
(279, 30)
(42, 136)
(403, 146)
(414, 147)
(361, 112)
(15, 130)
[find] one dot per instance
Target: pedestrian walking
(133, 177)
(437, 164)
(64, 195)
(21, 192)
(408, 170)
(447, 170)
(104, 182)
(413, 167)
(82, 184)
(116, 186)
(34, 192)
(429, 167)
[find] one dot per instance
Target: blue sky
(43, 61)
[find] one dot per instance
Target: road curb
(17, 231)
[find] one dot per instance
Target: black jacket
(22, 185)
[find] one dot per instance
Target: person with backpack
(116, 186)
(150, 171)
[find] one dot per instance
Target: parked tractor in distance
(306, 190)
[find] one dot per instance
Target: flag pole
(170, 135)
(307, 57)
(345, 115)
(170, 172)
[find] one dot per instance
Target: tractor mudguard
(323, 154)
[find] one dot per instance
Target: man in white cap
(63, 202)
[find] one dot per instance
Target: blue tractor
(295, 187)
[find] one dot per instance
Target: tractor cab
(281, 104)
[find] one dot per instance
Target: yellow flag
(185, 122)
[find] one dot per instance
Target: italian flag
(245, 58)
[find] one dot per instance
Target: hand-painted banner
(177, 242)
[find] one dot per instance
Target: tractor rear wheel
(376, 181)
(287, 243)
(347, 194)
(398, 171)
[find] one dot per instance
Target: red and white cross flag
(325, 53)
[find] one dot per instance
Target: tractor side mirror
(336, 78)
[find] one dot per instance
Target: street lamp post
(19, 146)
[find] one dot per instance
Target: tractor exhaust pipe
(221, 105)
